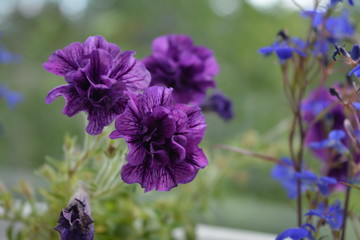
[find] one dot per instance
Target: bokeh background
(235, 29)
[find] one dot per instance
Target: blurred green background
(234, 29)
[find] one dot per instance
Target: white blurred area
(75, 9)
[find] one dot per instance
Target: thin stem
(252, 154)
(346, 207)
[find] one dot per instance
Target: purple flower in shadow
(163, 140)
(99, 77)
(75, 221)
(177, 63)
(220, 104)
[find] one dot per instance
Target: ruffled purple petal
(99, 42)
(65, 60)
(154, 97)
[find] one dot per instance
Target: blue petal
(357, 68)
(356, 105)
(266, 50)
(293, 233)
(336, 134)
(355, 52)
(284, 53)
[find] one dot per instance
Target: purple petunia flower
(163, 140)
(220, 104)
(75, 221)
(177, 63)
(332, 214)
(322, 114)
(99, 77)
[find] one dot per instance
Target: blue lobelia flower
(324, 183)
(8, 57)
(286, 175)
(332, 214)
(298, 233)
(333, 141)
(283, 50)
(11, 97)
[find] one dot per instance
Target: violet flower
(220, 104)
(75, 221)
(99, 77)
(177, 63)
(162, 139)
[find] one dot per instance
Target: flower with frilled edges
(99, 77)
(163, 140)
(177, 63)
(75, 222)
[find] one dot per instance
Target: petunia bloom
(75, 221)
(99, 77)
(162, 138)
(177, 63)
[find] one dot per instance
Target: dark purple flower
(163, 140)
(282, 49)
(220, 104)
(75, 221)
(332, 214)
(99, 77)
(177, 63)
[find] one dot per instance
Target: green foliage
(120, 211)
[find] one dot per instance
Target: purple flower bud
(99, 77)
(220, 104)
(75, 221)
(163, 140)
(188, 69)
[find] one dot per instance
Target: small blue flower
(323, 183)
(340, 27)
(333, 141)
(282, 49)
(333, 214)
(11, 97)
(298, 233)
